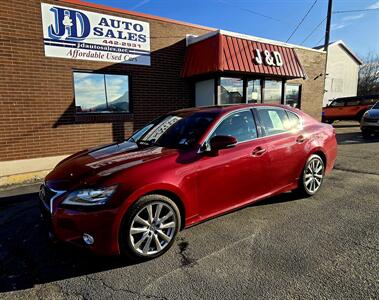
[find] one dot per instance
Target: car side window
(294, 121)
(240, 125)
(352, 102)
(274, 120)
(368, 101)
(337, 103)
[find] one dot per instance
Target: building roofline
(133, 13)
(190, 39)
(195, 39)
(347, 49)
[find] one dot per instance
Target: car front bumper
(68, 225)
(372, 125)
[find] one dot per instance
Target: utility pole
(328, 22)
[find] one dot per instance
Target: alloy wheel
(153, 228)
(313, 175)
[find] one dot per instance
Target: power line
(323, 36)
(261, 15)
(225, 2)
(302, 20)
(314, 29)
(355, 10)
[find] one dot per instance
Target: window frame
(242, 78)
(104, 113)
(338, 100)
(214, 129)
(261, 130)
(299, 85)
(301, 121)
(205, 144)
(353, 99)
(261, 85)
(246, 79)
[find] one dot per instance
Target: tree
(368, 81)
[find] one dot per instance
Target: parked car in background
(185, 167)
(349, 108)
(370, 121)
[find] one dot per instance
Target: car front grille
(46, 194)
(369, 120)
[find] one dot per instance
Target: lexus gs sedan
(132, 198)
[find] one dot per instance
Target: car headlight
(90, 197)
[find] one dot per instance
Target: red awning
(223, 53)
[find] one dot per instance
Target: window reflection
(254, 92)
(117, 92)
(231, 90)
(89, 92)
(272, 91)
(292, 97)
(101, 92)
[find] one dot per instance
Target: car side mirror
(220, 142)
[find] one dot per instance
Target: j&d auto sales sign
(77, 34)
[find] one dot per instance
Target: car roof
(357, 97)
(225, 108)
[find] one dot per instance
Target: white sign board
(78, 34)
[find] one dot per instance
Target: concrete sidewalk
(18, 190)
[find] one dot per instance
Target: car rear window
(352, 102)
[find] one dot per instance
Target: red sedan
(185, 167)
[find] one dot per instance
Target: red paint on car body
(204, 186)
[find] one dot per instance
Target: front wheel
(149, 228)
(312, 176)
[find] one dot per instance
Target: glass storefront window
(101, 92)
(292, 97)
(272, 91)
(231, 90)
(253, 91)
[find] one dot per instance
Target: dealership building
(76, 75)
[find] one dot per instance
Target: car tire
(143, 232)
(312, 176)
(328, 121)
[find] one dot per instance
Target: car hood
(373, 113)
(84, 167)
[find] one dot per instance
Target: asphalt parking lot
(325, 247)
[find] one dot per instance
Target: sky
(273, 19)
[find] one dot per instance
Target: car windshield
(175, 130)
(376, 106)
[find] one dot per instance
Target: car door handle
(300, 139)
(259, 151)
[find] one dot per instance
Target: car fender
(144, 190)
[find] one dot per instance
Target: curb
(11, 181)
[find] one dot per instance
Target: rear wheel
(312, 176)
(149, 228)
(328, 121)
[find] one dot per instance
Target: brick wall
(312, 91)
(36, 99)
(37, 110)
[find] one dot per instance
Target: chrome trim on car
(250, 109)
(51, 201)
